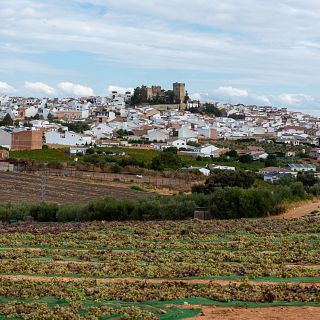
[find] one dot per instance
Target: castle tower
(179, 90)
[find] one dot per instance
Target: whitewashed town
(174, 123)
(155, 119)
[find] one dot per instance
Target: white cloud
(233, 42)
(295, 99)
(75, 89)
(40, 87)
(6, 88)
(121, 90)
(231, 92)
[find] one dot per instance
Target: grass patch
(137, 188)
(45, 155)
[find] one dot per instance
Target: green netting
(235, 303)
(161, 309)
(167, 310)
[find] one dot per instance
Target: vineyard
(158, 270)
(21, 187)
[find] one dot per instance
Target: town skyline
(224, 51)
(77, 91)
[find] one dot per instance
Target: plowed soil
(25, 188)
(269, 313)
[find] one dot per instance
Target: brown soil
(306, 266)
(269, 313)
(28, 188)
(155, 281)
(300, 210)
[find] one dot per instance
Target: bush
(234, 203)
(55, 165)
(308, 179)
(137, 188)
(315, 190)
(166, 160)
(71, 212)
(225, 178)
(44, 212)
(247, 158)
(116, 168)
(298, 190)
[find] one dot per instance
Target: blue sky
(248, 51)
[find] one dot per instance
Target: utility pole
(43, 187)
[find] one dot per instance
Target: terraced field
(160, 270)
(18, 187)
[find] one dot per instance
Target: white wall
(66, 139)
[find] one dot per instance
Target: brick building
(27, 140)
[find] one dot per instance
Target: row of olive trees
(177, 207)
(234, 194)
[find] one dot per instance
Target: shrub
(298, 190)
(225, 178)
(167, 160)
(55, 165)
(234, 203)
(116, 168)
(71, 212)
(308, 179)
(44, 212)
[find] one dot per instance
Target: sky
(249, 51)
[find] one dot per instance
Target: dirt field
(272, 313)
(16, 187)
(301, 209)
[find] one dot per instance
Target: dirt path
(270, 313)
(300, 210)
(153, 281)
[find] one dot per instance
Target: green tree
(246, 158)
(124, 133)
(210, 108)
(308, 179)
(50, 117)
(139, 95)
(232, 154)
(77, 127)
(116, 168)
(271, 161)
(224, 179)
(166, 160)
(7, 120)
(298, 190)
(171, 149)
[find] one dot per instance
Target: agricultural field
(29, 188)
(161, 270)
(146, 156)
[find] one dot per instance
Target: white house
(77, 150)
(157, 135)
(298, 167)
(179, 143)
(5, 139)
(31, 111)
(208, 151)
(67, 138)
(186, 133)
(100, 131)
